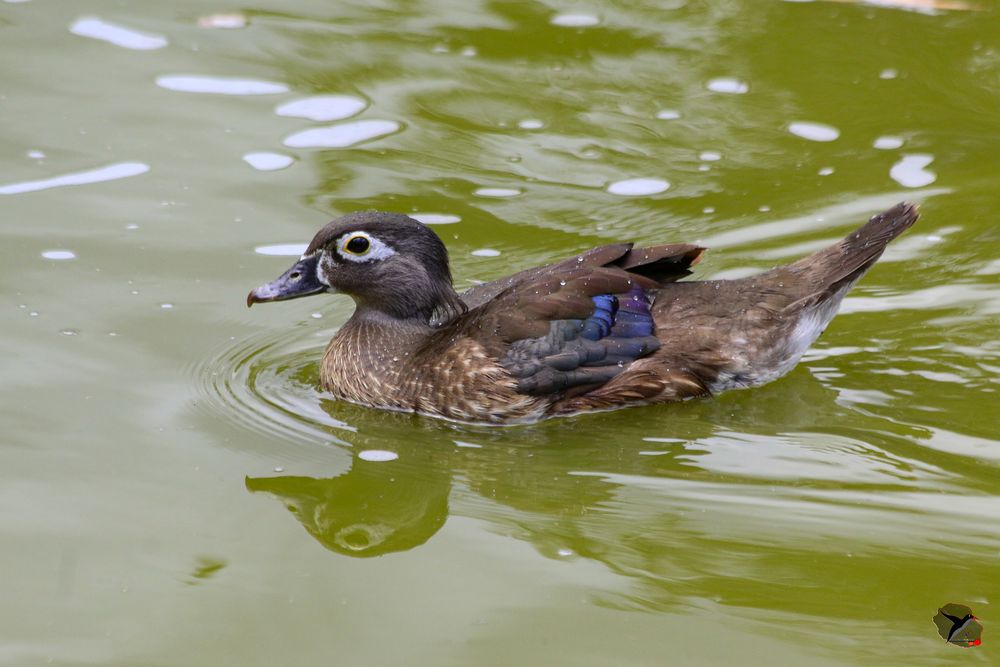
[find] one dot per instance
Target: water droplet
(278, 469)
(33, 313)
(69, 332)
(316, 316)
(166, 306)
(668, 114)
(888, 73)
(562, 282)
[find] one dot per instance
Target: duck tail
(843, 263)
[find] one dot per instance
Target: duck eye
(357, 245)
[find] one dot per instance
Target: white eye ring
(376, 248)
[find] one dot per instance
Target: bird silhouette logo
(957, 625)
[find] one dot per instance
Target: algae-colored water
(175, 490)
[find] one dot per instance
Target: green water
(175, 491)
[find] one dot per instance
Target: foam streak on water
(189, 83)
(323, 107)
(342, 136)
(116, 34)
(109, 173)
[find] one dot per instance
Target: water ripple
(269, 385)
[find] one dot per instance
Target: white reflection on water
(575, 20)
(219, 85)
(853, 211)
(116, 34)
(342, 136)
(110, 173)
(728, 85)
(814, 131)
(888, 143)
(436, 218)
(378, 455)
(496, 192)
(323, 107)
(229, 21)
(282, 249)
(59, 254)
(910, 171)
(637, 187)
(264, 161)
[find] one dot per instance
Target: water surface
(176, 491)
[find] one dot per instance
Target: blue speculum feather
(585, 352)
(599, 324)
(621, 319)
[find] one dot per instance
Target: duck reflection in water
(544, 483)
(375, 508)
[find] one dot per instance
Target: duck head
(387, 262)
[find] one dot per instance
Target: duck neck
(367, 359)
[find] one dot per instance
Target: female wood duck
(609, 328)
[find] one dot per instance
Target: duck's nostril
(295, 276)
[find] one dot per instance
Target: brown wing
(573, 329)
(662, 263)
